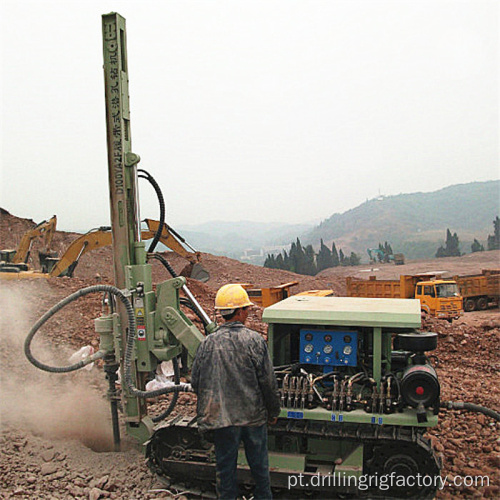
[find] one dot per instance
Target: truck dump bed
(404, 288)
(487, 283)
(480, 290)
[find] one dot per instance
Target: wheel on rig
(403, 470)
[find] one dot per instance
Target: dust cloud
(52, 405)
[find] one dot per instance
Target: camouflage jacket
(234, 379)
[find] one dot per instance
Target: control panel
(328, 347)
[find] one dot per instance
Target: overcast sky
(249, 110)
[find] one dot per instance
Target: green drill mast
(121, 161)
(129, 255)
(161, 327)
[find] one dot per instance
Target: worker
(237, 391)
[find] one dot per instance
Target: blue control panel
(328, 347)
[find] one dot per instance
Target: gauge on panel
(347, 350)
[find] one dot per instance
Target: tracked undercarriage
(178, 451)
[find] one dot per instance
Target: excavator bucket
(200, 273)
(196, 271)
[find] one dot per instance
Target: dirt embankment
(465, 265)
(55, 436)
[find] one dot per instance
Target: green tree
(279, 262)
(452, 246)
(381, 253)
(270, 262)
(302, 260)
(441, 252)
(335, 256)
(301, 266)
(342, 258)
(292, 258)
(387, 252)
(324, 259)
(476, 246)
(286, 261)
(354, 259)
(494, 239)
(310, 261)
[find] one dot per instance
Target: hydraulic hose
(56, 308)
(458, 405)
(161, 201)
(165, 263)
(131, 333)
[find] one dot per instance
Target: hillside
(415, 224)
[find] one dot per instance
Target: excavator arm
(171, 239)
(45, 229)
(96, 238)
(100, 237)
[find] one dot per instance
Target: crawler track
(177, 450)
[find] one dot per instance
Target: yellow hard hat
(231, 296)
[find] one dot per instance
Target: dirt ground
(55, 435)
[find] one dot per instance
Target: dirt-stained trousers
(227, 441)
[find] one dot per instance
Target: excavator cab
(48, 260)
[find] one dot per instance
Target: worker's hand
(272, 421)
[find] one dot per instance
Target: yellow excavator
(16, 260)
(101, 237)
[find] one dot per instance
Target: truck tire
(425, 311)
(482, 303)
(469, 305)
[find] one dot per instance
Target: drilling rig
(358, 390)
(140, 327)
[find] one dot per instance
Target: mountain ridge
(414, 223)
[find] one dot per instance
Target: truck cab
(440, 298)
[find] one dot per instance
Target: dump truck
(399, 259)
(480, 291)
(267, 296)
(438, 297)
